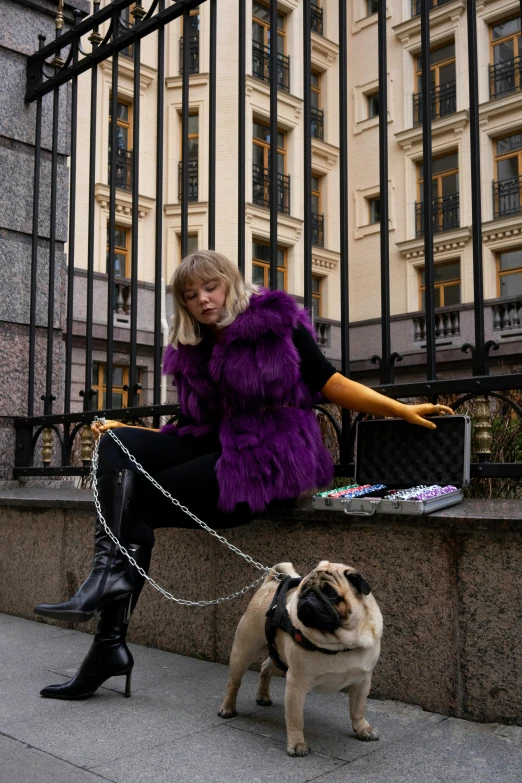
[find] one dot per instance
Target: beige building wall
(450, 134)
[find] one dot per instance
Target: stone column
(21, 21)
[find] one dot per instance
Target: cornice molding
(412, 137)
(411, 28)
(123, 201)
(444, 242)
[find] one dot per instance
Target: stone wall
(448, 586)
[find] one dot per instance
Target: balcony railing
(193, 180)
(193, 53)
(317, 123)
(505, 77)
(444, 213)
(317, 19)
(507, 315)
(318, 230)
(322, 333)
(261, 189)
(447, 325)
(123, 168)
(122, 296)
(261, 66)
(416, 6)
(506, 197)
(443, 102)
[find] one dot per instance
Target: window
(446, 284)
(317, 17)
(373, 105)
(120, 383)
(123, 144)
(193, 156)
(509, 273)
(374, 205)
(261, 265)
(121, 262)
(317, 215)
(261, 172)
(317, 112)
(126, 22)
(261, 46)
(508, 164)
(443, 92)
(193, 42)
(372, 7)
(192, 245)
(316, 296)
(504, 71)
(444, 192)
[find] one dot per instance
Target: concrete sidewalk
(169, 730)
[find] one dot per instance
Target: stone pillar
(21, 22)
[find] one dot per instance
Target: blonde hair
(206, 265)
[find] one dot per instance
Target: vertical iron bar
(49, 397)
(480, 363)
(383, 191)
(344, 456)
(87, 392)
(184, 134)
(272, 173)
(241, 174)
(34, 247)
(307, 163)
(72, 227)
(132, 392)
(429, 269)
(112, 216)
(158, 277)
(212, 128)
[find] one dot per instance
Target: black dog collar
(278, 617)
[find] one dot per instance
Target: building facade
(500, 86)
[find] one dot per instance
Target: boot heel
(128, 684)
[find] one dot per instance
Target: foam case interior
(398, 454)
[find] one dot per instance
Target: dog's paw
(264, 701)
(227, 713)
(369, 734)
(299, 749)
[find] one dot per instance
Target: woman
(248, 372)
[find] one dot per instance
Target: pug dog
(334, 643)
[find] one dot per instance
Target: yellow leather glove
(357, 397)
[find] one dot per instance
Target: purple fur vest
(249, 388)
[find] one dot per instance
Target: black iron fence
(505, 77)
(261, 66)
(506, 197)
(193, 53)
(443, 101)
(61, 62)
(444, 213)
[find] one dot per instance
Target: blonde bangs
(205, 265)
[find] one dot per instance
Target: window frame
(438, 177)
(318, 296)
(266, 145)
(265, 265)
(504, 273)
(371, 201)
(122, 251)
(100, 387)
(266, 26)
(440, 285)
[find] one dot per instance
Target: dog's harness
(278, 617)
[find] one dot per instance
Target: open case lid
(398, 454)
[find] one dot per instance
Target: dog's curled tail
(281, 568)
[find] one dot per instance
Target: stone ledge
(498, 515)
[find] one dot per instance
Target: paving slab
(453, 750)
(219, 754)
(169, 729)
(23, 764)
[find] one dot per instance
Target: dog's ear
(358, 581)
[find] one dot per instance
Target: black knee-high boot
(109, 655)
(111, 578)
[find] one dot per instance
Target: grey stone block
(20, 25)
(453, 751)
(23, 764)
(215, 756)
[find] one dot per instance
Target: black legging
(185, 467)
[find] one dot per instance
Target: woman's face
(205, 300)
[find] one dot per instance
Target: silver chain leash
(203, 525)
